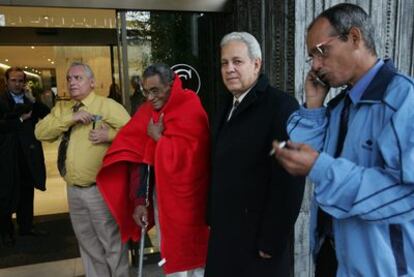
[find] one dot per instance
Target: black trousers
(6, 225)
(24, 212)
(326, 263)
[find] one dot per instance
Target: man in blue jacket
(359, 150)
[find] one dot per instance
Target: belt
(84, 186)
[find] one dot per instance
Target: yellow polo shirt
(83, 159)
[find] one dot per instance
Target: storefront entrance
(118, 44)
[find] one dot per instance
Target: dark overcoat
(21, 153)
(253, 202)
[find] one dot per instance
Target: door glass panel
(181, 40)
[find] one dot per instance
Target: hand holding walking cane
(140, 216)
(141, 250)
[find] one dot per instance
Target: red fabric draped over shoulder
(181, 159)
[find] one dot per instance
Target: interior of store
(46, 65)
(46, 68)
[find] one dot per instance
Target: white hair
(253, 47)
(86, 68)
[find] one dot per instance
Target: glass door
(182, 40)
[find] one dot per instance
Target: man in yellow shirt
(87, 124)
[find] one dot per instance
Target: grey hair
(253, 46)
(165, 73)
(86, 68)
(344, 16)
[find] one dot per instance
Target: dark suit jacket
(21, 154)
(253, 202)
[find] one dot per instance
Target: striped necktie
(63, 146)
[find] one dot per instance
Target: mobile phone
(95, 118)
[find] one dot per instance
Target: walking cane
(141, 252)
(143, 229)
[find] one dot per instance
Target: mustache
(321, 73)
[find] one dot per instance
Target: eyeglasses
(154, 92)
(320, 50)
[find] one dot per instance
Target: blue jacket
(369, 189)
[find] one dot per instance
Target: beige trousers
(102, 252)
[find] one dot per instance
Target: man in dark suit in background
(22, 166)
(253, 201)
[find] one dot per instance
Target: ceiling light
(6, 60)
(4, 66)
(32, 47)
(52, 62)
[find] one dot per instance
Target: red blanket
(181, 165)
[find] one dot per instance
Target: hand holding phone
(315, 89)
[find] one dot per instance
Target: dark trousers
(6, 225)
(6, 231)
(24, 212)
(326, 263)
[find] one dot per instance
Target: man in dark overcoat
(253, 202)
(22, 166)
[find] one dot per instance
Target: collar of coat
(254, 93)
(8, 98)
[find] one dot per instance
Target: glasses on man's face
(320, 51)
(154, 92)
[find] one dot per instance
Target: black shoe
(33, 233)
